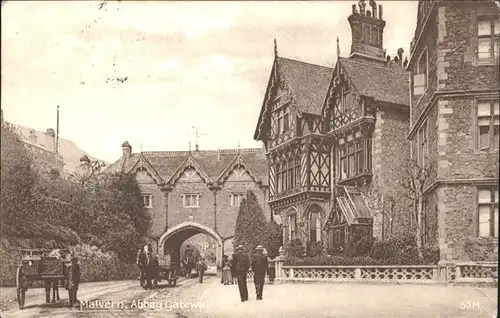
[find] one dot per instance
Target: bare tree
(87, 170)
(414, 180)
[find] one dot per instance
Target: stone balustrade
(471, 272)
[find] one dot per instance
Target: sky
(187, 64)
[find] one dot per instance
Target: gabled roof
(211, 162)
(309, 83)
(383, 83)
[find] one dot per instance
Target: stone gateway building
(347, 146)
(192, 192)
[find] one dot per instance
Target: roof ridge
(286, 58)
(373, 65)
(178, 152)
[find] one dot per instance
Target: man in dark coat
(151, 267)
(242, 266)
(141, 263)
(74, 280)
(233, 268)
(201, 267)
(259, 268)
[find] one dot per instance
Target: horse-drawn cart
(167, 269)
(48, 266)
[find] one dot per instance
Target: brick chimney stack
(367, 32)
(126, 149)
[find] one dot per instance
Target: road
(212, 299)
(116, 299)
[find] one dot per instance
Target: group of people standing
(237, 268)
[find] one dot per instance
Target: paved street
(211, 299)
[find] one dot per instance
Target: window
(283, 177)
(423, 148)
(488, 124)
(488, 40)
(147, 200)
(359, 157)
(236, 199)
(488, 212)
(292, 226)
(420, 77)
(283, 123)
(291, 177)
(354, 158)
(314, 227)
(297, 172)
(191, 200)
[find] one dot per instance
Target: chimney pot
(126, 149)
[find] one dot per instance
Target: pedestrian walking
(259, 268)
(74, 280)
(242, 266)
(151, 267)
(226, 270)
(233, 270)
(201, 267)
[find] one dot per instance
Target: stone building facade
(455, 121)
(192, 192)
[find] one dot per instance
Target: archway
(173, 238)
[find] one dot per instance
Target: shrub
(330, 260)
(359, 245)
(273, 239)
(481, 249)
(397, 251)
(314, 249)
(295, 248)
(430, 255)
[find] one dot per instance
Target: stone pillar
(166, 190)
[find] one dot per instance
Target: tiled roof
(212, 162)
(352, 205)
(309, 83)
(382, 83)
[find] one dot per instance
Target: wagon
(168, 267)
(41, 265)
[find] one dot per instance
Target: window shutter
(418, 84)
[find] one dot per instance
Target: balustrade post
(357, 273)
(458, 273)
(278, 265)
(291, 273)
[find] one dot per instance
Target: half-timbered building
(333, 136)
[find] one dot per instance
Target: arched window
(292, 226)
(315, 226)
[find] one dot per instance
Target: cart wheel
(20, 287)
(173, 282)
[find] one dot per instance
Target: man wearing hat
(242, 266)
(259, 268)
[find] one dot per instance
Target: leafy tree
(273, 239)
(250, 223)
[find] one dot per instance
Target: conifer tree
(250, 223)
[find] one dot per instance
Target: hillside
(68, 150)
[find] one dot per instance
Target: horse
(188, 265)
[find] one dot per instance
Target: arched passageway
(173, 238)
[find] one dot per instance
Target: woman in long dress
(226, 270)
